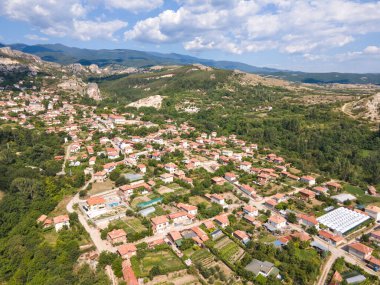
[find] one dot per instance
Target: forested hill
(28, 180)
(132, 58)
(304, 124)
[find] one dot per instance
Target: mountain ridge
(62, 54)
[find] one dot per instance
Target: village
(176, 196)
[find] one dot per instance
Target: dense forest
(30, 188)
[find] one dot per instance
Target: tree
(291, 218)
(154, 272)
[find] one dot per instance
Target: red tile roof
(361, 247)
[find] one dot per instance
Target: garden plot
(165, 259)
(229, 250)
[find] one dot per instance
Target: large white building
(342, 220)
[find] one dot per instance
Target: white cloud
(372, 50)
(61, 18)
(238, 26)
(87, 30)
(35, 37)
(134, 5)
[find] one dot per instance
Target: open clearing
(176, 278)
(61, 207)
(165, 259)
(195, 200)
(101, 187)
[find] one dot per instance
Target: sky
(305, 35)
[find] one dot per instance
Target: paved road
(337, 252)
(101, 245)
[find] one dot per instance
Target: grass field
(195, 200)
(101, 187)
(229, 250)
(134, 225)
(165, 259)
(130, 225)
(51, 236)
(360, 194)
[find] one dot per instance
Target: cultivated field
(229, 250)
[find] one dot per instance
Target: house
(117, 236)
(61, 221)
(308, 180)
(334, 185)
(190, 209)
(276, 223)
(263, 178)
(209, 225)
(170, 167)
(270, 203)
(180, 218)
(160, 224)
(126, 251)
(176, 237)
(302, 236)
(245, 166)
(218, 180)
(128, 274)
(92, 160)
(109, 167)
(360, 250)
(263, 268)
(281, 241)
(117, 119)
(250, 211)
(306, 220)
(279, 197)
(167, 177)
(200, 234)
(100, 176)
(230, 177)
(95, 203)
(320, 190)
(41, 219)
(126, 191)
(335, 240)
(336, 279)
(112, 153)
(222, 220)
(142, 168)
(74, 147)
(252, 220)
(216, 234)
(241, 236)
(250, 191)
(374, 263)
(373, 212)
(307, 194)
(215, 198)
(375, 236)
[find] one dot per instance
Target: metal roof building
(342, 220)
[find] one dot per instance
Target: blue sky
(307, 35)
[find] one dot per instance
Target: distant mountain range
(67, 55)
